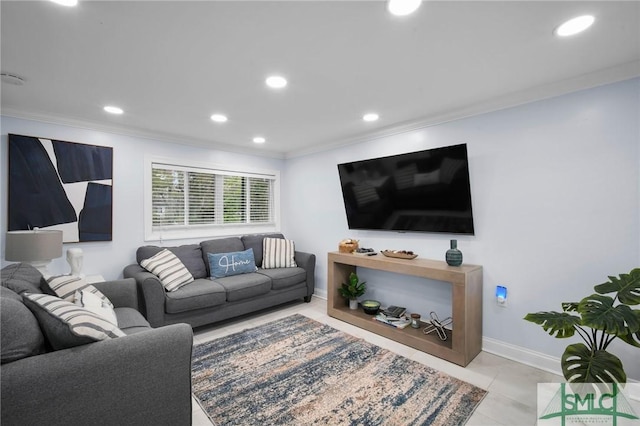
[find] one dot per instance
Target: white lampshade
(37, 247)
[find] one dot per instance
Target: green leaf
(627, 287)
(570, 306)
(581, 365)
(598, 312)
(558, 324)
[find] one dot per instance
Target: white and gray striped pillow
(65, 287)
(169, 269)
(67, 325)
(278, 253)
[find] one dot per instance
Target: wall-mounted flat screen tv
(424, 191)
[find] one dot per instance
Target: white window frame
(206, 231)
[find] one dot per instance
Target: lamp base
(41, 266)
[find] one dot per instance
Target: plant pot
(353, 304)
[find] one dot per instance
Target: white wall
(109, 258)
(556, 197)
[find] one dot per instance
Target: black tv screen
(424, 191)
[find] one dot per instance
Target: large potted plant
(352, 290)
(598, 319)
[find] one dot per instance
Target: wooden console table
(464, 342)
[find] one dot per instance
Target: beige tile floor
(512, 386)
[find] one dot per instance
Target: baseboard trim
(522, 355)
(320, 293)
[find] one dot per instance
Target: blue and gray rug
(296, 371)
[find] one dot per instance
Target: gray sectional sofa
(205, 300)
(143, 378)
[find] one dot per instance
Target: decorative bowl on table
(399, 254)
(371, 307)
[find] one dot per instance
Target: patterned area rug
(297, 371)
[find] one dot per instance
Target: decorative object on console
(37, 247)
(438, 326)
(353, 290)
(399, 254)
(348, 246)
(598, 320)
(453, 255)
(415, 320)
(75, 257)
(371, 307)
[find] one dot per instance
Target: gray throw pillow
(21, 277)
(21, 336)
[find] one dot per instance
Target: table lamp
(36, 247)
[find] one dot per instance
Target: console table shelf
(464, 342)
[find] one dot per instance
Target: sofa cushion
(67, 325)
(254, 241)
(21, 277)
(278, 253)
(284, 277)
(245, 286)
(190, 255)
(220, 245)
(169, 269)
(21, 336)
(201, 293)
(65, 287)
(234, 263)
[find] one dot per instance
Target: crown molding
(128, 131)
(534, 94)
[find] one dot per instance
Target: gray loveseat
(205, 300)
(143, 378)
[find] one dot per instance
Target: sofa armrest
(152, 293)
(122, 293)
(307, 261)
(141, 379)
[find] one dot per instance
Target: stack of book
(393, 316)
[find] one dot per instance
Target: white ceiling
(171, 64)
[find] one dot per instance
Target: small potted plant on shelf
(352, 290)
(598, 319)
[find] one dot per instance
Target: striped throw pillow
(67, 325)
(65, 287)
(278, 253)
(169, 269)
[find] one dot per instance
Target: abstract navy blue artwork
(60, 185)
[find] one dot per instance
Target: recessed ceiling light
(574, 26)
(11, 79)
(372, 116)
(219, 118)
(66, 2)
(113, 110)
(259, 139)
(403, 7)
(276, 81)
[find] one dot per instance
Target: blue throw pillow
(234, 263)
